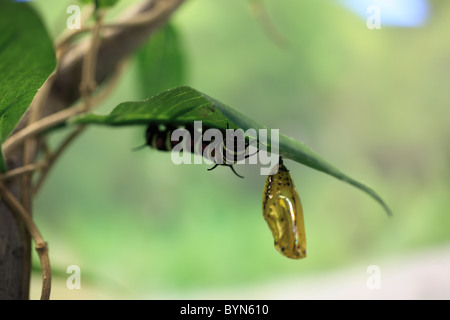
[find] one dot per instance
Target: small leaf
(184, 104)
(160, 62)
(101, 3)
(26, 60)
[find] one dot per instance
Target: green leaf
(26, 60)
(160, 62)
(101, 3)
(184, 104)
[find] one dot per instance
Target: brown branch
(40, 245)
(119, 40)
(29, 168)
(40, 126)
(62, 45)
(52, 158)
(117, 43)
(89, 66)
(62, 116)
(63, 42)
(142, 19)
(111, 83)
(147, 18)
(31, 143)
(43, 124)
(29, 151)
(112, 50)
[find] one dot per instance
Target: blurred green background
(375, 103)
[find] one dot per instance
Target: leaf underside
(180, 105)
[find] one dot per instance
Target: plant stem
(40, 245)
(40, 126)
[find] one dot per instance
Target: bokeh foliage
(373, 101)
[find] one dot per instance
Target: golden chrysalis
(283, 212)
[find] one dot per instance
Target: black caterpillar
(158, 136)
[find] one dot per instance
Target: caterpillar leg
(232, 169)
(231, 166)
(215, 166)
